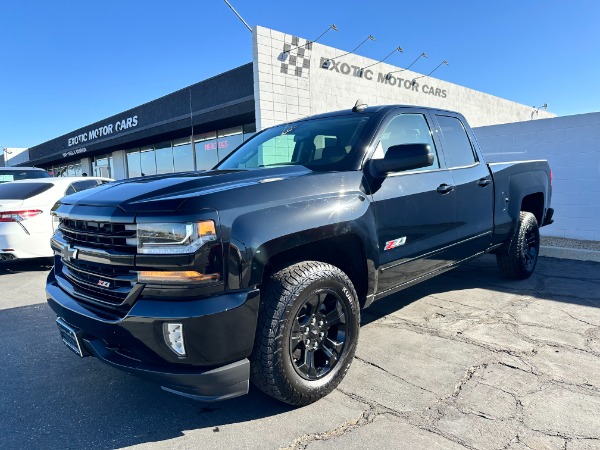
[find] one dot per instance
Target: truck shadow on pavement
(52, 399)
(25, 265)
(568, 281)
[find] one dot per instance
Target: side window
(458, 148)
(407, 129)
(80, 186)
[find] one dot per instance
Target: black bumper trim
(548, 218)
(231, 380)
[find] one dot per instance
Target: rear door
(474, 189)
(415, 212)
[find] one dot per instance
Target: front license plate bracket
(70, 337)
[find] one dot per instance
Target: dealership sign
(380, 77)
(74, 152)
(90, 135)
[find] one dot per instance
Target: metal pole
(237, 14)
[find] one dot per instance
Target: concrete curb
(570, 253)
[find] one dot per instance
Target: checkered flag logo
(295, 58)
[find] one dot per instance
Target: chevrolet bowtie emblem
(69, 252)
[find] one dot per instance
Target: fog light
(173, 333)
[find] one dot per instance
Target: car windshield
(320, 144)
(22, 191)
(7, 175)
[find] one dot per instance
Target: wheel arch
(345, 252)
(534, 203)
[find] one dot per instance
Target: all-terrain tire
(307, 332)
(518, 258)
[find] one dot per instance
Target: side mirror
(402, 157)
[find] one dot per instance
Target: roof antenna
(359, 106)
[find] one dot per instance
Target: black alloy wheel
(530, 252)
(318, 334)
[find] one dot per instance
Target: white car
(25, 221)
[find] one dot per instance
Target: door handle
(444, 188)
(484, 182)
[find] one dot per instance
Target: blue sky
(66, 64)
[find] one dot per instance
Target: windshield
(21, 174)
(320, 144)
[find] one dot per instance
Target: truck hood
(166, 193)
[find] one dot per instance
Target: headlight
(55, 223)
(174, 238)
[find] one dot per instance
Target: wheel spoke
(333, 345)
(297, 335)
(308, 366)
(334, 317)
(332, 350)
(316, 301)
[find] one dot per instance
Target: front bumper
(219, 335)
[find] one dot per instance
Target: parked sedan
(25, 221)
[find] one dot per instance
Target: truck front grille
(99, 234)
(98, 283)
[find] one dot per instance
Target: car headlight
(55, 223)
(174, 238)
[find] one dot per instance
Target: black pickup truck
(258, 269)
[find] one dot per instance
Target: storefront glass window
(134, 168)
(148, 161)
(200, 152)
(207, 155)
(164, 158)
(66, 170)
(249, 131)
(228, 140)
(103, 166)
(183, 156)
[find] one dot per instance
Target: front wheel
(307, 332)
(518, 259)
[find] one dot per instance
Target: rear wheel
(307, 332)
(518, 259)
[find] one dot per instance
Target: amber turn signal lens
(186, 276)
(206, 228)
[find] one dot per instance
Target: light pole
(5, 153)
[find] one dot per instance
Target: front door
(414, 210)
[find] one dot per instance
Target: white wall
(571, 145)
(14, 156)
(288, 86)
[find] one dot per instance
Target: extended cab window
(407, 129)
(320, 144)
(458, 149)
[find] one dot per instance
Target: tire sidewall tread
(511, 260)
(272, 370)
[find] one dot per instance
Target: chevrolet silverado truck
(257, 269)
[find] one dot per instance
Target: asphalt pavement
(465, 360)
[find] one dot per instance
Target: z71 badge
(395, 243)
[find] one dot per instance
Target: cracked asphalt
(465, 360)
